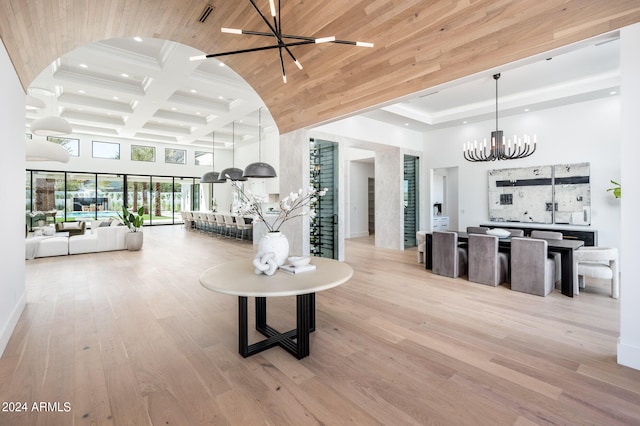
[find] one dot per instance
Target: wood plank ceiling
(418, 43)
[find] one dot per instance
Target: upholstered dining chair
(421, 238)
(486, 264)
(222, 227)
(531, 270)
(596, 262)
(189, 220)
(230, 225)
(448, 258)
(477, 229)
(211, 222)
(243, 227)
(551, 235)
(516, 232)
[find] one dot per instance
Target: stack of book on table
(298, 269)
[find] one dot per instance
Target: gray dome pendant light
(233, 173)
(212, 176)
(260, 169)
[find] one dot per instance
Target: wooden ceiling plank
(419, 43)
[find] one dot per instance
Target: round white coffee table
(238, 278)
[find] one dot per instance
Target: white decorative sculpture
(265, 263)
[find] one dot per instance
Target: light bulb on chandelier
(499, 148)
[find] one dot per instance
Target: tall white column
(629, 342)
(389, 214)
(294, 174)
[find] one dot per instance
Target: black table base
(295, 341)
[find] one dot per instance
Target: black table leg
(295, 341)
(243, 337)
(566, 263)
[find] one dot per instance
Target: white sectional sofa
(102, 236)
(98, 239)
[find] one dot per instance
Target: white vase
(277, 243)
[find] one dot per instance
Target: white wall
(629, 343)
(372, 131)
(12, 121)
(583, 132)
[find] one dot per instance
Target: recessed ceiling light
(138, 39)
(173, 108)
(613, 93)
(406, 124)
(526, 110)
(198, 113)
(193, 90)
(84, 66)
(220, 97)
(464, 122)
(116, 98)
(124, 74)
(81, 91)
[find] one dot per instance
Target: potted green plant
(617, 190)
(133, 222)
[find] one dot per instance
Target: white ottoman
(53, 246)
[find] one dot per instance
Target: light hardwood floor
(133, 339)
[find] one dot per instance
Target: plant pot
(133, 240)
(277, 243)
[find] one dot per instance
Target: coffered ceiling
(147, 89)
(420, 45)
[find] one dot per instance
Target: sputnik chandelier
(283, 41)
(500, 148)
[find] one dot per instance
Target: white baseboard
(7, 329)
(359, 234)
(629, 356)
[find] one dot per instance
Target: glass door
(410, 200)
(324, 174)
(138, 194)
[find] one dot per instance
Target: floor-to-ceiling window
(138, 195)
(71, 196)
(81, 201)
(178, 200)
(48, 196)
(110, 193)
(162, 200)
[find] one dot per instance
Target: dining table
(566, 249)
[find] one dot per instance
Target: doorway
(411, 168)
(323, 157)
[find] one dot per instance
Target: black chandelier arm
(284, 74)
(255, 49)
(276, 34)
(297, 37)
(265, 34)
(499, 152)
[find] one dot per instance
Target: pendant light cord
(260, 134)
(496, 77)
